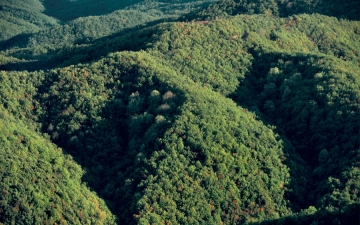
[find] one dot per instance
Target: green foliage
(342, 9)
(348, 215)
(236, 119)
(39, 184)
(90, 28)
(70, 10)
(152, 132)
(19, 17)
(47, 44)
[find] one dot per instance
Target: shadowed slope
(39, 183)
(21, 17)
(167, 136)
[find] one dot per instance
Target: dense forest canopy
(22, 17)
(180, 112)
(344, 9)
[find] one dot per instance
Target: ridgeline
(180, 112)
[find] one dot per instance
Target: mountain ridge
(241, 119)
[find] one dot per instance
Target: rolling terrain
(182, 112)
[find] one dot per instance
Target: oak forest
(214, 112)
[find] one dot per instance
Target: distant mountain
(344, 9)
(22, 17)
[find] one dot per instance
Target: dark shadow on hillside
(66, 10)
(342, 9)
(31, 65)
(12, 42)
(129, 39)
(112, 141)
(349, 215)
(69, 10)
(292, 93)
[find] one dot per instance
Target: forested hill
(183, 112)
(342, 9)
(22, 17)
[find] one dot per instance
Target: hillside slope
(236, 119)
(22, 17)
(344, 9)
(39, 183)
(70, 10)
(146, 118)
